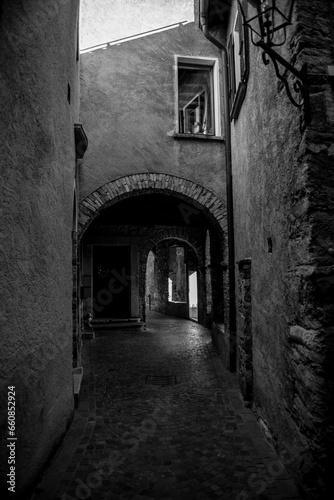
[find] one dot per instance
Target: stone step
(114, 320)
(119, 324)
(114, 326)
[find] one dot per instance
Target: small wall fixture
(81, 141)
(267, 21)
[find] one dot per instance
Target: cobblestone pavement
(159, 418)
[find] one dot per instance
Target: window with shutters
(238, 63)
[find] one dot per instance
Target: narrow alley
(167, 249)
(159, 418)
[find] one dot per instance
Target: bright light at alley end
(267, 20)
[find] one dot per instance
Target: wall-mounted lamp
(267, 21)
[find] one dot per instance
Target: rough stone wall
(128, 110)
(77, 316)
(244, 321)
(208, 275)
(218, 267)
(38, 62)
(151, 280)
(77, 341)
(162, 256)
(219, 320)
(178, 309)
(283, 193)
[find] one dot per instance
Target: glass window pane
(195, 99)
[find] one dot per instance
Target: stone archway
(177, 235)
(136, 184)
(193, 199)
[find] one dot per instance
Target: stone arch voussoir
(136, 184)
(178, 234)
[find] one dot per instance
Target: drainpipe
(203, 13)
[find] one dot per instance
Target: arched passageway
(170, 264)
(123, 221)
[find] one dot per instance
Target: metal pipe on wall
(203, 20)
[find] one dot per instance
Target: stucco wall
(283, 189)
(128, 108)
(38, 61)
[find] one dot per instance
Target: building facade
(153, 179)
(282, 165)
(39, 106)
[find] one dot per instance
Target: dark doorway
(112, 281)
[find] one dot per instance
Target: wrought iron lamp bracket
(300, 86)
(266, 39)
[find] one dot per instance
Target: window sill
(201, 137)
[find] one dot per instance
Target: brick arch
(175, 234)
(178, 233)
(144, 183)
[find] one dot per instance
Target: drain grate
(160, 380)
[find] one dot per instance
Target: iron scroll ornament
(300, 86)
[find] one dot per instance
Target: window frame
(212, 62)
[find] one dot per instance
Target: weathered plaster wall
(38, 61)
(128, 108)
(283, 190)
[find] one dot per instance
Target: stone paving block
(194, 439)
